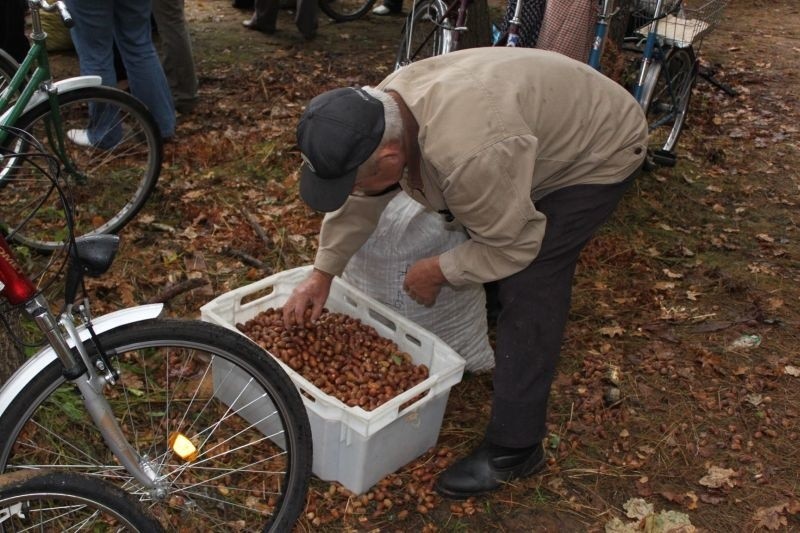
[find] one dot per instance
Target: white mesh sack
(406, 232)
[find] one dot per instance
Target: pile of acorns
(339, 354)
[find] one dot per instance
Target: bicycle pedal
(664, 158)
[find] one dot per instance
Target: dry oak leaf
(718, 477)
(638, 508)
(774, 517)
(612, 331)
(792, 370)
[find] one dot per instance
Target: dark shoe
(252, 25)
(486, 469)
(185, 107)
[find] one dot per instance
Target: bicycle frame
(40, 85)
(63, 334)
(649, 50)
(457, 7)
(600, 32)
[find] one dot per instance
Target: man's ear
(391, 149)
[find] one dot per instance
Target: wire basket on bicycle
(680, 23)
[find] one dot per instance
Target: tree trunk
(479, 24)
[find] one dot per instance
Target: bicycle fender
(47, 355)
(62, 86)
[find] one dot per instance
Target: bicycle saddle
(95, 253)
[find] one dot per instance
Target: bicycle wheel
(179, 380)
(345, 10)
(38, 500)
(8, 67)
(665, 98)
(110, 167)
(425, 33)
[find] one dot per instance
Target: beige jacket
(498, 129)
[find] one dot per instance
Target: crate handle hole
(413, 339)
(307, 395)
(382, 319)
(350, 301)
(253, 296)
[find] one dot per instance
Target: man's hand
(312, 292)
(424, 280)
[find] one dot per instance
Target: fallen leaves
(792, 370)
(718, 478)
(647, 520)
(773, 518)
(611, 331)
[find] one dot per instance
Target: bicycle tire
(424, 33)
(666, 92)
(42, 500)
(108, 181)
(172, 375)
(345, 10)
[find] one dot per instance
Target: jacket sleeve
(344, 231)
(490, 195)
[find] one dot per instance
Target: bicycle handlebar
(58, 5)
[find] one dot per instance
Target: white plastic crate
(357, 448)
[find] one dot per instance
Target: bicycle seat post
(37, 33)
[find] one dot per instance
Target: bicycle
(105, 139)
(665, 38)
(436, 27)
(134, 398)
(61, 501)
(345, 10)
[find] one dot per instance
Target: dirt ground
(688, 303)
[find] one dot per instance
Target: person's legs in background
(306, 18)
(145, 75)
(176, 50)
(389, 7)
(265, 16)
(93, 38)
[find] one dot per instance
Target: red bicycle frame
(16, 286)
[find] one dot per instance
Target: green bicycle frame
(37, 63)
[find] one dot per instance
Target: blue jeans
(99, 24)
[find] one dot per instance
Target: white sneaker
(381, 11)
(79, 137)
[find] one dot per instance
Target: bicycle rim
(193, 379)
(35, 500)
(425, 33)
(667, 97)
(109, 179)
(345, 10)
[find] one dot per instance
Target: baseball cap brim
(325, 195)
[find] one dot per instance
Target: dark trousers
(534, 305)
(266, 16)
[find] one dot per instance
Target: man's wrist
(322, 273)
